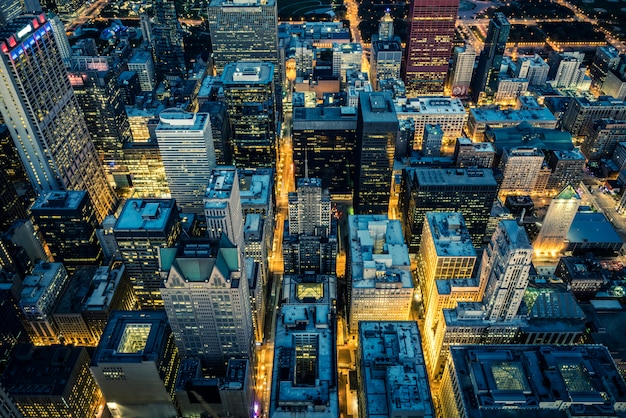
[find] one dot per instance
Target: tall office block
(141, 62)
(12, 204)
(63, 43)
(520, 170)
(144, 226)
(534, 69)
(136, 363)
(432, 140)
(377, 130)
(326, 138)
(12, 331)
(310, 240)
(567, 169)
(385, 61)
(52, 382)
(565, 70)
(206, 297)
(243, 30)
(391, 372)
(40, 294)
(44, 117)
(145, 166)
(385, 27)
(381, 287)
(557, 222)
(100, 100)
(249, 95)
(603, 137)
(346, 57)
(460, 77)
(469, 191)
(431, 32)
(169, 52)
(486, 77)
(605, 59)
(473, 154)
(222, 206)
(505, 269)
(186, 147)
(581, 113)
(68, 224)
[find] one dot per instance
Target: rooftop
(592, 227)
(393, 370)
(56, 200)
(453, 177)
(430, 105)
(526, 135)
(497, 115)
(179, 120)
(450, 234)
(104, 285)
(246, 72)
(310, 288)
(255, 185)
(145, 214)
(220, 185)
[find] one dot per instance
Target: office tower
(534, 69)
(146, 169)
(406, 137)
(567, 169)
(431, 32)
(310, 239)
(476, 378)
(582, 113)
(222, 206)
(11, 204)
(243, 30)
(473, 154)
(101, 102)
(509, 90)
(141, 63)
(326, 138)
(447, 112)
(128, 84)
(603, 137)
(40, 293)
(249, 95)
(146, 28)
(136, 363)
(68, 224)
(346, 57)
(615, 83)
(606, 58)
(10, 162)
(505, 268)
(385, 61)
(377, 130)
(221, 130)
(167, 39)
(381, 287)
(52, 381)
(385, 27)
(304, 372)
(486, 77)
(463, 59)
(565, 70)
(144, 226)
(186, 148)
(206, 297)
(432, 140)
(22, 234)
(520, 170)
(63, 43)
(12, 331)
(391, 371)
(552, 237)
(469, 191)
(9, 10)
(50, 132)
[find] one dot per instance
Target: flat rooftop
(592, 227)
(255, 186)
(430, 105)
(497, 115)
(54, 201)
(450, 234)
(453, 177)
(393, 370)
(246, 72)
(182, 121)
(145, 214)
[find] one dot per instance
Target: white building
(186, 147)
(222, 205)
(520, 170)
(141, 63)
(552, 238)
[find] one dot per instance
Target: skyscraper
(557, 222)
(206, 297)
(169, 50)
(463, 59)
(377, 130)
(505, 269)
(486, 76)
(222, 206)
(243, 30)
(431, 31)
(43, 115)
(186, 147)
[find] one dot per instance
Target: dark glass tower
(486, 76)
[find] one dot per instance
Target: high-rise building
(565, 70)
(12, 204)
(12, 331)
(144, 226)
(603, 137)
(326, 138)
(146, 170)
(44, 117)
(222, 206)
(62, 385)
(505, 270)
(68, 224)
(310, 239)
(469, 191)
(488, 70)
(431, 143)
(377, 130)
(167, 38)
(249, 95)
(243, 30)
(567, 169)
(380, 285)
(556, 223)
(460, 77)
(206, 297)
(385, 61)
(606, 58)
(431, 32)
(100, 100)
(141, 63)
(473, 154)
(391, 371)
(581, 113)
(520, 170)
(136, 364)
(534, 69)
(186, 148)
